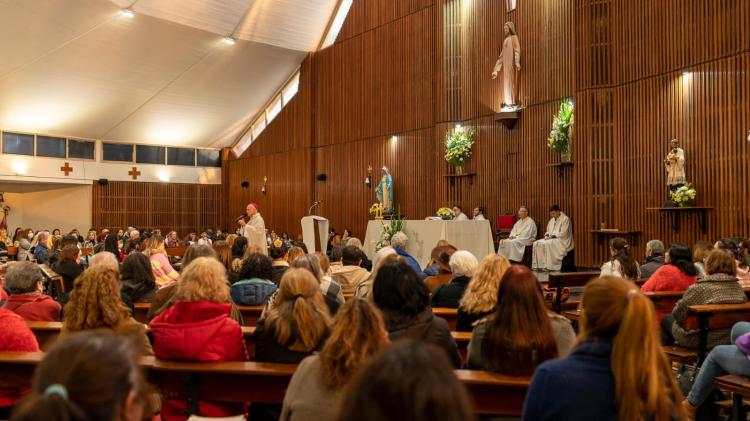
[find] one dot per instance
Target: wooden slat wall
(414, 68)
(173, 206)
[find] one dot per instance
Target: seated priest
(556, 244)
(523, 234)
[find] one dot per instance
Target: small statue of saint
(384, 191)
(675, 165)
(508, 66)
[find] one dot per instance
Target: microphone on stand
(315, 203)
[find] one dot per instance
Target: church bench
(235, 381)
(739, 386)
(664, 301)
(178, 251)
(705, 317)
(449, 314)
(561, 280)
(46, 334)
(141, 311)
(250, 314)
(462, 341)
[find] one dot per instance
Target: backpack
(252, 292)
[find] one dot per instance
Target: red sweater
(668, 278)
(14, 336)
(198, 331)
(34, 307)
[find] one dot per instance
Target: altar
(472, 236)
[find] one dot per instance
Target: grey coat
(712, 289)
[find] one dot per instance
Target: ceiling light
(229, 40)
(127, 13)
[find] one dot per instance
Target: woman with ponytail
(621, 264)
(297, 323)
(617, 371)
(89, 376)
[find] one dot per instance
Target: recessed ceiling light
(229, 40)
(127, 13)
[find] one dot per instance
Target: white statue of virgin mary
(508, 66)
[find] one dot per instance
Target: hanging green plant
(562, 129)
(458, 143)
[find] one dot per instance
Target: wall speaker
(103, 181)
(321, 177)
(245, 184)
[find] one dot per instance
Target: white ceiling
(80, 68)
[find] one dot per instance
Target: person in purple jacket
(723, 359)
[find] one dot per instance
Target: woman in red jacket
(14, 336)
(677, 274)
(198, 328)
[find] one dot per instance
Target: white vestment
(255, 232)
(548, 254)
(523, 234)
(462, 217)
(479, 217)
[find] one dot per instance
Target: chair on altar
(504, 226)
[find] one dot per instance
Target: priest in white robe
(557, 243)
(523, 234)
(254, 229)
(478, 214)
(458, 214)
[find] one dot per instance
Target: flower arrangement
(445, 214)
(374, 210)
(392, 227)
(562, 129)
(458, 143)
(684, 195)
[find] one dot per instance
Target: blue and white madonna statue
(384, 191)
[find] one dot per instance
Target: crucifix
(67, 169)
(134, 173)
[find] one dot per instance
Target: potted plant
(683, 196)
(389, 229)
(446, 214)
(458, 143)
(559, 140)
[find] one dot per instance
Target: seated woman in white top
(621, 264)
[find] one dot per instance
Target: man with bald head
(253, 228)
(522, 235)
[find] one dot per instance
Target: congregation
(334, 314)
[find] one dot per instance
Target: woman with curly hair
(317, 386)
(480, 297)
(95, 303)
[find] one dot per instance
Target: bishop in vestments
(523, 234)
(254, 229)
(557, 243)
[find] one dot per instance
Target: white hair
(354, 241)
(379, 258)
(463, 263)
(399, 239)
(105, 259)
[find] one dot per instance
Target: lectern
(308, 233)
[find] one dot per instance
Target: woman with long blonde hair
(298, 322)
(164, 273)
(316, 389)
(617, 371)
(95, 303)
(198, 328)
(480, 296)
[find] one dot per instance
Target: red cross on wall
(67, 169)
(134, 173)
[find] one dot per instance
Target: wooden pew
(739, 386)
(707, 317)
(46, 334)
(664, 301)
(12, 252)
(561, 280)
(462, 340)
(178, 251)
(491, 393)
(449, 314)
(250, 314)
(141, 311)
